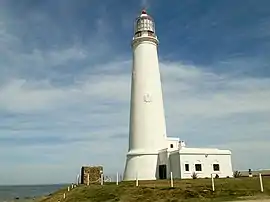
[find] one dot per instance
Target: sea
(25, 193)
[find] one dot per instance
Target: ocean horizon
(22, 193)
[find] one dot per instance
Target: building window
(216, 167)
(138, 34)
(151, 33)
(186, 167)
(198, 167)
(171, 145)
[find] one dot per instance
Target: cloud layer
(87, 122)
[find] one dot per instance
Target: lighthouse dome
(144, 23)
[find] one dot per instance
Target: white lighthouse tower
(147, 129)
(152, 155)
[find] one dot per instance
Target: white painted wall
(206, 160)
(145, 165)
(163, 159)
(147, 120)
(174, 142)
(175, 165)
(224, 161)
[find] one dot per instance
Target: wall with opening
(204, 165)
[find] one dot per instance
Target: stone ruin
(94, 174)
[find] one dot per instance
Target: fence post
(88, 179)
(78, 178)
(213, 183)
(261, 182)
(117, 178)
(137, 181)
(101, 179)
(68, 188)
(171, 179)
(64, 195)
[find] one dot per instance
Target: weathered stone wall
(94, 174)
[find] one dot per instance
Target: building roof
(205, 151)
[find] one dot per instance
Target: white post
(88, 179)
(78, 179)
(68, 188)
(261, 182)
(117, 178)
(137, 181)
(101, 179)
(213, 183)
(171, 179)
(64, 195)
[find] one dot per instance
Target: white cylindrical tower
(147, 129)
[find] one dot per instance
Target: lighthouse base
(141, 166)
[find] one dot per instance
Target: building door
(162, 172)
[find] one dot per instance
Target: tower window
(198, 167)
(138, 34)
(216, 167)
(150, 33)
(186, 167)
(171, 145)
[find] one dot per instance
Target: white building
(152, 155)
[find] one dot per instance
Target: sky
(65, 82)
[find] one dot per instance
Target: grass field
(160, 191)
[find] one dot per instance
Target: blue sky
(65, 82)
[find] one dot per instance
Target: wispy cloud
(209, 108)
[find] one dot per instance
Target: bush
(194, 175)
(237, 174)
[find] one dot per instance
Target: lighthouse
(147, 128)
(151, 154)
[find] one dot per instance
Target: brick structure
(94, 174)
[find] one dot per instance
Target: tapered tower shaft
(147, 131)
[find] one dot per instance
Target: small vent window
(198, 167)
(186, 167)
(216, 167)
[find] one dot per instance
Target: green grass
(160, 191)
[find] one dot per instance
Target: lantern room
(144, 25)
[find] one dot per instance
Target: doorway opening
(162, 172)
